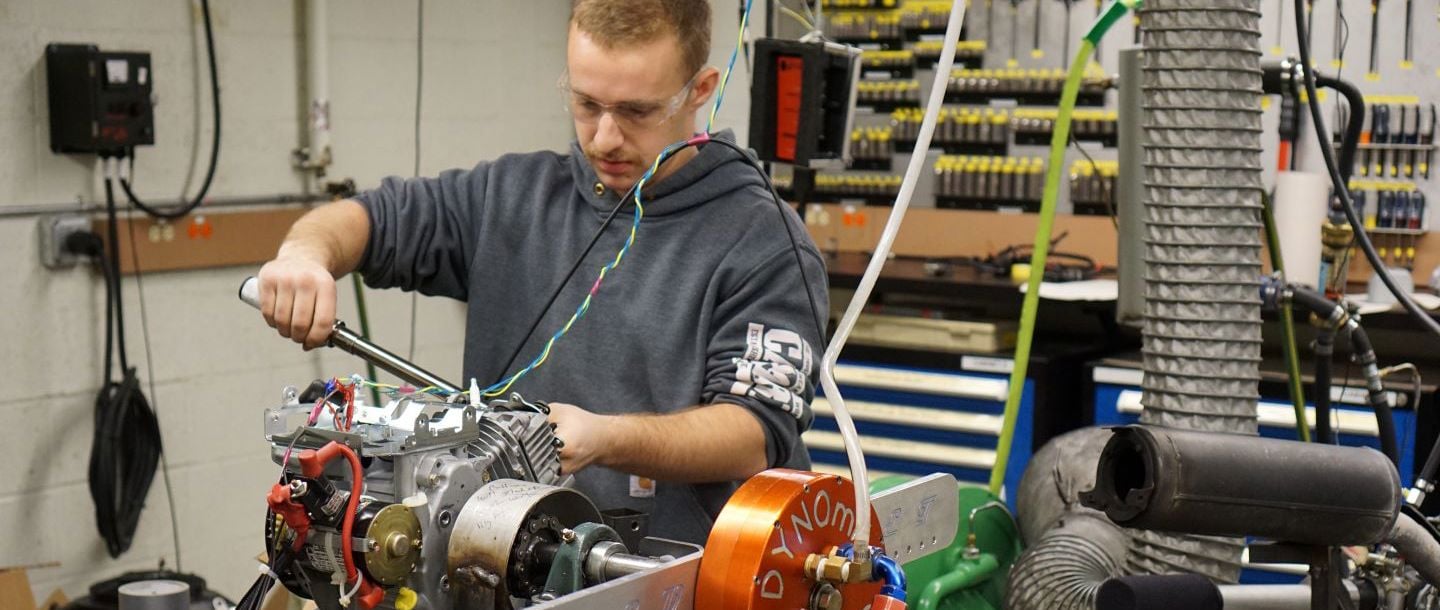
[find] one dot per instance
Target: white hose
(872, 272)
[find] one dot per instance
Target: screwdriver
(1409, 138)
(1279, 27)
(1374, 73)
(1417, 209)
(1035, 51)
(1338, 42)
(1427, 138)
(989, 21)
(1379, 135)
(1409, 60)
(1014, 34)
(1365, 144)
(1310, 24)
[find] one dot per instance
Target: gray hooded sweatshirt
(708, 305)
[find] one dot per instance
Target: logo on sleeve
(775, 368)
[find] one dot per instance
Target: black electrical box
(802, 101)
(100, 101)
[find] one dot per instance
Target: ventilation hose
(1059, 139)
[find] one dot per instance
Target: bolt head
(827, 597)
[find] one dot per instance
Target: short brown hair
(618, 23)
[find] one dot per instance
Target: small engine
(462, 505)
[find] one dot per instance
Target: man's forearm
(333, 235)
(719, 442)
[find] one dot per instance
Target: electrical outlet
(53, 232)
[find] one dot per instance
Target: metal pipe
(608, 560)
(347, 340)
(241, 201)
(1161, 591)
(623, 564)
(1419, 548)
(1212, 484)
(317, 86)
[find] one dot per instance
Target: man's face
(630, 103)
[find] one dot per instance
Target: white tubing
(872, 272)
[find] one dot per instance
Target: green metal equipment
(971, 573)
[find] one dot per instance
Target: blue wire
(585, 304)
(720, 97)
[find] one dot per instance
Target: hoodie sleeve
(422, 232)
(764, 351)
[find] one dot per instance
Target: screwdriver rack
(1092, 187)
(1027, 87)
(968, 53)
(1033, 126)
(871, 148)
(898, 64)
(994, 183)
(989, 112)
(888, 95)
(871, 189)
(843, 4)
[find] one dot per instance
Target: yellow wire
(739, 40)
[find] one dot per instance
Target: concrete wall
(490, 68)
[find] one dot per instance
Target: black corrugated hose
(126, 447)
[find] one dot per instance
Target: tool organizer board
(998, 23)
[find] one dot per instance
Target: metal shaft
(347, 340)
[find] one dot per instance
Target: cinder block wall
(490, 70)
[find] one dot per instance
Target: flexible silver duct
(1202, 167)
(1200, 89)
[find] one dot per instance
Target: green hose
(365, 332)
(1287, 322)
(1058, 141)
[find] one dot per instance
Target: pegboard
(1009, 32)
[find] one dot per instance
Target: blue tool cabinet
(915, 420)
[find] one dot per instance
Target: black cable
(1362, 352)
(181, 211)
(555, 294)
(1350, 141)
(150, 373)
(1333, 316)
(1342, 189)
(789, 232)
(126, 446)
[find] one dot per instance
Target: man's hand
(584, 434)
(708, 443)
(297, 298)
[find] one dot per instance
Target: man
(693, 368)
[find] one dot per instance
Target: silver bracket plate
(668, 587)
(918, 518)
